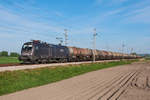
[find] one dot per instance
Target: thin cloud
(24, 20)
(139, 16)
(132, 13)
(110, 2)
(26, 24)
(59, 14)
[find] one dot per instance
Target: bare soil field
(127, 82)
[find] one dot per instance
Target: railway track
(5, 65)
(11, 67)
(19, 64)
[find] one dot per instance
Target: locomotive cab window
(36, 47)
(27, 47)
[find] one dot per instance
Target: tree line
(6, 54)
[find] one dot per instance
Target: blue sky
(116, 21)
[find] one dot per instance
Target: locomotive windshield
(27, 47)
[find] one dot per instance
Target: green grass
(147, 58)
(23, 79)
(9, 60)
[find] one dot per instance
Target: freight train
(42, 52)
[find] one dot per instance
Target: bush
(4, 53)
(14, 54)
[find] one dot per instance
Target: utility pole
(60, 40)
(66, 36)
(123, 45)
(94, 44)
(107, 47)
(131, 50)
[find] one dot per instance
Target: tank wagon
(42, 52)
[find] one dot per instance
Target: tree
(134, 53)
(4, 53)
(14, 54)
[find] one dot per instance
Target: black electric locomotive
(41, 52)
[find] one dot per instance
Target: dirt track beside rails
(12, 67)
(127, 82)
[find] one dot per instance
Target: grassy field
(147, 58)
(9, 60)
(23, 79)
